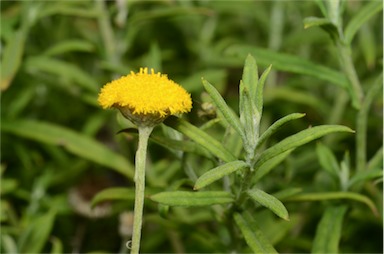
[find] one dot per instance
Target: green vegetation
(282, 151)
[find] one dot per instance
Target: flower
(145, 98)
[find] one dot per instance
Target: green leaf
(12, 56)
(66, 71)
(315, 21)
(250, 76)
(63, 8)
(376, 161)
(118, 193)
(329, 230)
(216, 76)
(200, 137)
(187, 198)
(8, 244)
(70, 140)
(222, 106)
(297, 140)
(327, 160)
(254, 237)
(180, 145)
(365, 13)
(260, 88)
(219, 172)
(323, 23)
(266, 167)
(365, 175)
(286, 193)
(276, 125)
(57, 245)
(269, 202)
(69, 46)
(250, 119)
(290, 63)
(336, 195)
(35, 236)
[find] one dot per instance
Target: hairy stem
(141, 156)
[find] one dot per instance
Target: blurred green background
(58, 144)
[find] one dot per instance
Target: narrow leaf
(12, 56)
(250, 120)
(35, 236)
(276, 125)
(329, 230)
(259, 100)
(69, 46)
(250, 76)
(117, 193)
(290, 63)
(254, 237)
(377, 160)
(187, 198)
(335, 195)
(286, 193)
(68, 71)
(365, 13)
(327, 160)
(57, 245)
(200, 137)
(298, 139)
(315, 21)
(222, 106)
(72, 141)
(365, 175)
(218, 172)
(269, 202)
(266, 167)
(180, 145)
(323, 23)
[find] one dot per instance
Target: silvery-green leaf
(222, 106)
(187, 198)
(219, 172)
(269, 202)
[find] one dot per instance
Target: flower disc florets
(145, 98)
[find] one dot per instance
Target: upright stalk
(350, 71)
(141, 156)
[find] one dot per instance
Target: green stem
(106, 32)
(141, 156)
(346, 61)
(361, 125)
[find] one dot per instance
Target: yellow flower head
(145, 98)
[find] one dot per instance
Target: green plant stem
(361, 125)
(350, 71)
(141, 156)
(107, 32)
